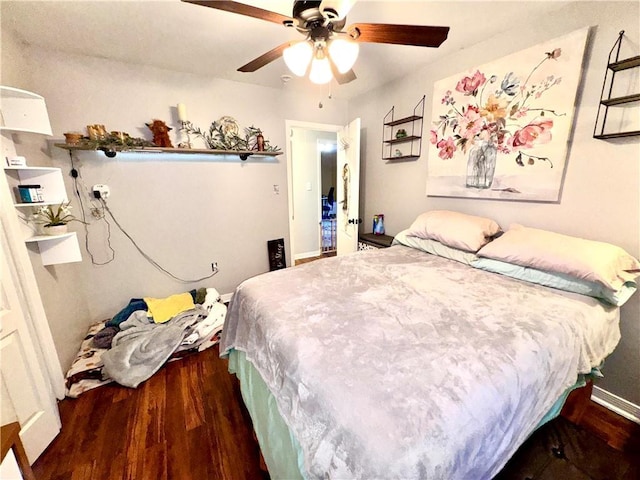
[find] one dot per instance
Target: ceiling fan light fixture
(320, 70)
(343, 53)
(297, 57)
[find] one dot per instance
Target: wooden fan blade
(242, 9)
(264, 59)
(341, 78)
(418, 35)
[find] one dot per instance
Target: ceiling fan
(330, 47)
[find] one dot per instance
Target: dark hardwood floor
(184, 423)
(300, 261)
(188, 422)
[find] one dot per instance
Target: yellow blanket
(163, 309)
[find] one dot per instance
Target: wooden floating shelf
(604, 136)
(621, 100)
(402, 139)
(403, 120)
(243, 154)
(625, 64)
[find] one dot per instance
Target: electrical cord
(75, 174)
(146, 256)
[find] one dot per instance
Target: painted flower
(447, 99)
(434, 137)
(510, 84)
(470, 85)
(495, 109)
(537, 131)
(447, 148)
(470, 123)
(554, 54)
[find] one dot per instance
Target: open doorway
(323, 209)
(329, 204)
(311, 172)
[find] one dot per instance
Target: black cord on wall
(75, 174)
(146, 256)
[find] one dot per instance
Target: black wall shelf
(614, 66)
(393, 136)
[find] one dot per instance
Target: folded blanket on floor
(141, 348)
(163, 309)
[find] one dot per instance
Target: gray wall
(601, 195)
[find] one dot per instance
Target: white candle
(182, 112)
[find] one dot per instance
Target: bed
(399, 363)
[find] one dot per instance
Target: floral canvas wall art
(501, 130)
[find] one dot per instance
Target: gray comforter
(142, 347)
(394, 363)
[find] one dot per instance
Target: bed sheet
(398, 364)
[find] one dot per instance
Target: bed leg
(558, 450)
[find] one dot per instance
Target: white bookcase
(26, 112)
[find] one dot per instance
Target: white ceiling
(190, 38)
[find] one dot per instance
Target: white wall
(184, 211)
(601, 195)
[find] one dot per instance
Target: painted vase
(481, 165)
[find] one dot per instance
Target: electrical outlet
(101, 191)
(214, 266)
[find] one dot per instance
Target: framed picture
(277, 258)
(501, 130)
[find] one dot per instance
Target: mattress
(395, 363)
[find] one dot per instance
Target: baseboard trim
(300, 256)
(622, 407)
(226, 297)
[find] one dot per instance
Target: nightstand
(369, 241)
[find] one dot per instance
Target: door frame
(289, 124)
(28, 292)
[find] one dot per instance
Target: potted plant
(54, 219)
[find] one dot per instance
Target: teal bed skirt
(280, 449)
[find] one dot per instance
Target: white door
(348, 188)
(25, 396)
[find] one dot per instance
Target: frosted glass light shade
(320, 71)
(297, 57)
(343, 53)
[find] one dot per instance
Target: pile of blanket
(133, 345)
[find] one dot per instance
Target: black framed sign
(277, 258)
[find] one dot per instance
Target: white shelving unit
(49, 179)
(26, 112)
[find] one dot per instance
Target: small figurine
(160, 133)
(401, 133)
(260, 141)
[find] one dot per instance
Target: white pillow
(588, 260)
(457, 230)
(434, 248)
